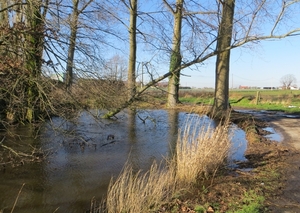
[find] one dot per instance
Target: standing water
(85, 153)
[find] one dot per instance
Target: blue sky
(262, 65)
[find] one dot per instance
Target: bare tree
(35, 18)
(223, 57)
(74, 22)
(4, 23)
(21, 58)
(4, 18)
(132, 7)
(287, 81)
(175, 60)
(115, 69)
(72, 43)
(250, 25)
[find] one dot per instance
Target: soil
(283, 194)
(288, 199)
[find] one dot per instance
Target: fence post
(257, 97)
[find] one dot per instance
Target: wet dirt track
(288, 200)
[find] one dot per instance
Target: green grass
(251, 203)
(196, 100)
(265, 92)
(199, 209)
(280, 100)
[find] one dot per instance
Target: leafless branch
(169, 7)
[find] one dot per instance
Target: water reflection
(239, 146)
(274, 136)
(84, 158)
(173, 131)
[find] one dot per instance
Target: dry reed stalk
(16, 200)
(137, 192)
(201, 149)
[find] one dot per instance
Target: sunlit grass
(200, 150)
(138, 192)
(282, 100)
(252, 203)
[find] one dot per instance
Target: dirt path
(288, 201)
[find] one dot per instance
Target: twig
(2, 140)
(17, 199)
(13, 151)
(56, 210)
(107, 143)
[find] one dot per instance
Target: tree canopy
(288, 81)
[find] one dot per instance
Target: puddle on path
(274, 136)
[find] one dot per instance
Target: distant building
(243, 87)
(269, 88)
(248, 87)
(180, 87)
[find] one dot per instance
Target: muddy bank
(288, 198)
(283, 157)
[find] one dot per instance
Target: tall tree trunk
(132, 51)
(221, 102)
(72, 44)
(4, 14)
(4, 24)
(175, 61)
(33, 60)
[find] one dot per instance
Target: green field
(283, 100)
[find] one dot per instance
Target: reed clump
(137, 192)
(202, 148)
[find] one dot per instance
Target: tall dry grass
(201, 149)
(136, 192)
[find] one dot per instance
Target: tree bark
(132, 52)
(221, 102)
(4, 24)
(34, 52)
(175, 61)
(4, 14)
(72, 44)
